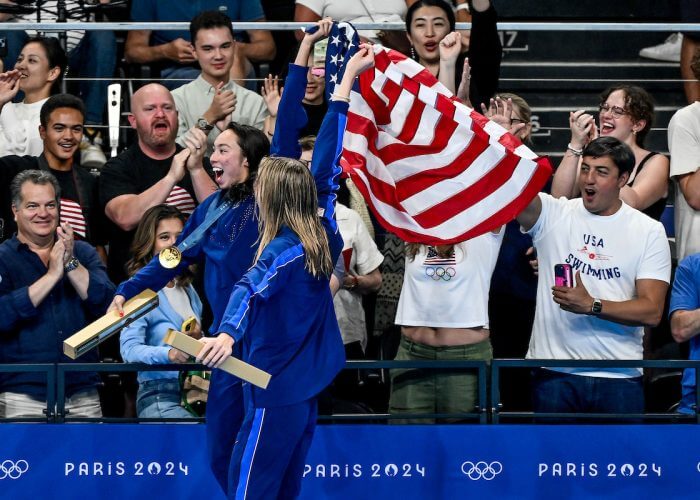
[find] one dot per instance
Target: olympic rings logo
(440, 273)
(481, 470)
(13, 470)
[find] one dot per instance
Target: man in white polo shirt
(213, 100)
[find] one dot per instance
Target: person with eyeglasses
(626, 112)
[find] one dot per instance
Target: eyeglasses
(615, 111)
(514, 121)
(318, 72)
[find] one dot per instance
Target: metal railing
(289, 25)
(487, 411)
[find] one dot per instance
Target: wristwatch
(597, 307)
(204, 125)
(72, 265)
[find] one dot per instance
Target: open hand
(272, 93)
(9, 86)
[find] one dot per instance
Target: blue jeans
(557, 392)
(94, 57)
(160, 398)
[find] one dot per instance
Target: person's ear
(54, 73)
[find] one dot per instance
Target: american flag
(180, 198)
(72, 213)
(432, 170)
(433, 258)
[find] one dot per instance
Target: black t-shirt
(79, 197)
(132, 172)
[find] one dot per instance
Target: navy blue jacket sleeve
(266, 278)
(325, 167)
(291, 115)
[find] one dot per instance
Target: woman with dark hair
(626, 113)
(159, 393)
(430, 26)
(38, 73)
(222, 232)
(293, 335)
(225, 229)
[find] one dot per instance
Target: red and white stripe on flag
(180, 198)
(433, 170)
(72, 213)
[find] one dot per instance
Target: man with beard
(62, 119)
(152, 171)
(213, 100)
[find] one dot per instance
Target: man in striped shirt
(62, 119)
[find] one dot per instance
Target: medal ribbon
(213, 214)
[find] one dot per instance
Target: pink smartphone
(563, 275)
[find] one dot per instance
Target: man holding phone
(621, 265)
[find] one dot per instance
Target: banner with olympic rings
(117, 461)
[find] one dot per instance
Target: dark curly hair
(639, 105)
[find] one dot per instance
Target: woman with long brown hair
(159, 393)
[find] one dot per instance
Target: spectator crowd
(584, 272)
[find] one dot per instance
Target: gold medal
(169, 257)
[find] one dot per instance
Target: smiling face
(600, 183)
(228, 160)
(62, 136)
(428, 27)
(615, 120)
(37, 212)
(33, 65)
(167, 232)
(213, 49)
(154, 116)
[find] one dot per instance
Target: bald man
(152, 171)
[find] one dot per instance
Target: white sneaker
(91, 154)
(669, 51)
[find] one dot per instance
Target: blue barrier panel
(112, 461)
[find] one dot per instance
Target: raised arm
(291, 114)
(449, 47)
(583, 130)
(329, 143)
